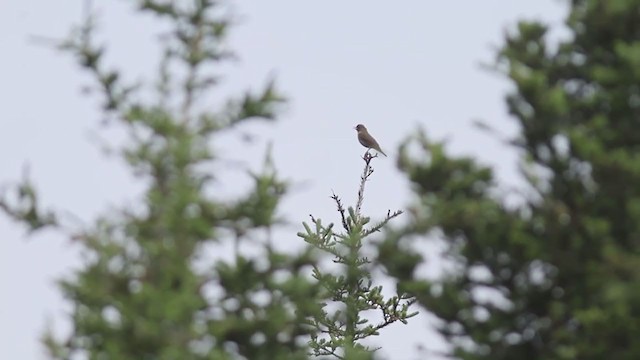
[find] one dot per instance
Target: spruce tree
(556, 275)
(154, 283)
(349, 287)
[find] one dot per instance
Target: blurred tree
(349, 286)
(556, 275)
(149, 287)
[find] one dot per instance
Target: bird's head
(360, 127)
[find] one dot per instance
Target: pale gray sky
(389, 65)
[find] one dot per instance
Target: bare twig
(342, 211)
(368, 170)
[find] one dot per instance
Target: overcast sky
(389, 65)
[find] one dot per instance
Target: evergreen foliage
(148, 288)
(553, 276)
(341, 325)
(556, 276)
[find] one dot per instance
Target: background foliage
(554, 276)
(546, 273)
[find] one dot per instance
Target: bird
(367, 140)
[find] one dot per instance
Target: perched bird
(367, 140)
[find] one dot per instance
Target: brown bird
(367, 140)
